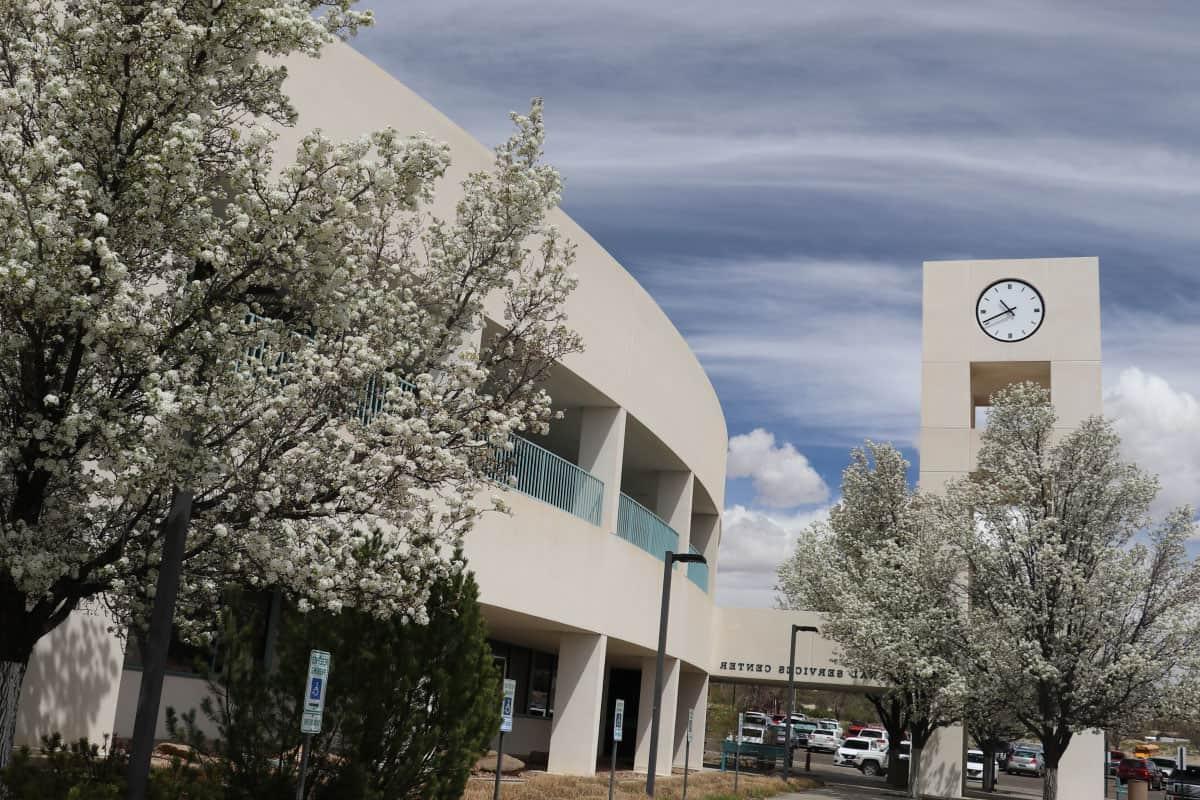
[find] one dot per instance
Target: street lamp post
(669, 561)
(787, 747)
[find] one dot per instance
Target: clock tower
(985, 325)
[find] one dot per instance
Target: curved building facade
(571, 581)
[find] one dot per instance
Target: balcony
(698, 573)
(640, 526)
(537, 472)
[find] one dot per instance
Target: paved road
(845, 783)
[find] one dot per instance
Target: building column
(578, 690)
(601, 450)
(942, 763)
(693, 695)
(674, 503)
(706, 537)
(1081, 771)
(666, 716)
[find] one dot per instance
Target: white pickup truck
(825, 741)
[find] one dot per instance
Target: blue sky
(775, 172)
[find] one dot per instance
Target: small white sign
(691, 719)
(618, 720)
(506, 705)
(314, 691)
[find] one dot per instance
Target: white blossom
(164, 280)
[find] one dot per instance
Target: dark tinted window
(851, 744)
(1132, 762)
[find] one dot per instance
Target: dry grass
(629, 786)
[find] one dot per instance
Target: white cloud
(782, 476)
(753, 544)
(1160, 431)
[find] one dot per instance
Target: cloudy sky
(774, 172)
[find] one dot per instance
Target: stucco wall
(634, 353)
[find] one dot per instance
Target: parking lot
(847, 778)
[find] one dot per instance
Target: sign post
(687, 750)
(314, 708)
(737, 752)
(506, 718)
(618, 729)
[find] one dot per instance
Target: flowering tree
(890, 588)
(1085, 615)
(287, 364)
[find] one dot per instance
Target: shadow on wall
(941, 780)
(72, 681)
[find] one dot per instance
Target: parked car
(756, 718)
(870, 760)
(1167, 765)
(1114, 760)
(873, 733)
(975, 765)
(1025, 761)
(1140, 769)
(1184, 784)
(824, 741)
(800, 733)
(830, 725)
(753, 734)
(848, 754)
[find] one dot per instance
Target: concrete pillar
(1082, 768)
(73, 681)
(706, 537)
(942, 763)
(575, 733)
(674, 503)
(693, 694)
(666, 717)
(601, 450)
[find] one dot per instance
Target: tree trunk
(12, 675)
(989, 767)
(1053, 747)
(914, 772)
(1050, 783)
(158, 639)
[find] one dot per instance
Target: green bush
(408, 707)
(83, 771)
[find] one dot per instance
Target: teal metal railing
(640, 526)
(374, 396)
(526, 467)
(698, 573)
(537, 472)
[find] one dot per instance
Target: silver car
(1025, 761)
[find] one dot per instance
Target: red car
(1140, 769)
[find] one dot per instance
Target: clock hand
(1001, 314)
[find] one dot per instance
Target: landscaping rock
(509, 766)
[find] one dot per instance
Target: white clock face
(1010, 310)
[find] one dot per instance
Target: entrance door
(623, 684)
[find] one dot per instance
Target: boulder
(508, 766)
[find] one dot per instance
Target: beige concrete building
(571, 581)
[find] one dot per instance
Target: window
(541, 685)
(855, 744)
(535, 673)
